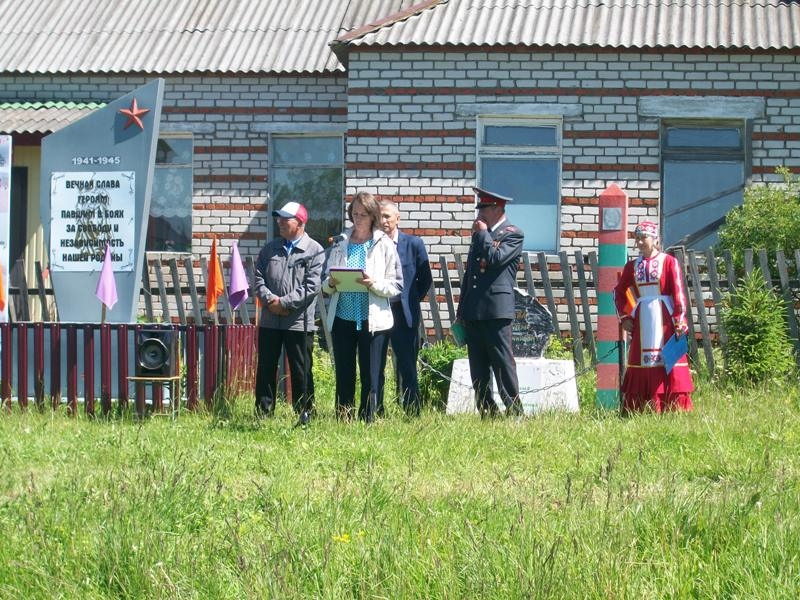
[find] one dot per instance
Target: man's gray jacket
(287, 278)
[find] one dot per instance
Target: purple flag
(238, 290)
(106, 290)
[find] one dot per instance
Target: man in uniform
(287, 279)
(486, 307)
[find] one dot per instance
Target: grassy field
(700, 505)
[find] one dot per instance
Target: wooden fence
(91, 363)
(173, 291)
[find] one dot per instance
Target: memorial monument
(96, 179)
(544, 384)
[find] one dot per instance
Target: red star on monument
(133, 113)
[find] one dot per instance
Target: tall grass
(700, 505)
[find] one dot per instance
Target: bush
(435, 371)
(758, 348)
(558, 348)
(769, 218)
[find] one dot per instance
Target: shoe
(303, 419)
(412, 409)
(265, 407)
(515, 409)
(345, 413)
(488, 411)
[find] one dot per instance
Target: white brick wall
(225, 108)
(592, 139)
(431, 175)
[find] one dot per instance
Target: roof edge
(387, 20)
(339, 45)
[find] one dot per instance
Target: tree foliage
(769, 218)
(759, 349)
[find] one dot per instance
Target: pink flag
(107, 287)
(238, 289)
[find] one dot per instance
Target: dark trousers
(489, 347)
(405, 350)
(270, 343)
(350, 344)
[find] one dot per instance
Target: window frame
(172, 135)
(272, 164)
(712, 152)
(484, 151)
(687, 154)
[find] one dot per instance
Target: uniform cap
(486, 198)
(292, 209)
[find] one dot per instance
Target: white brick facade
(417, 94)
(230, 159)
(409, 139)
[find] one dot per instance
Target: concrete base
(534, 374)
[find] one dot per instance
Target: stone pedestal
(534, 374)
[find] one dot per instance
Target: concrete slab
(544, 385)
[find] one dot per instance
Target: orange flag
(214, 284)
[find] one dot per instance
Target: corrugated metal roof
(172, 36)
(41, 117)
(292, 36)
(713, 24)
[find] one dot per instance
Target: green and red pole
(612, 256)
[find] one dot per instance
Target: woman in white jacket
(360, 321)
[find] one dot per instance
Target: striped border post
(612, 255)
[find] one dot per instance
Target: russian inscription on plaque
(88, 211)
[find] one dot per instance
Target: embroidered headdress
(646, 228)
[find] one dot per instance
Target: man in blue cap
(486, 307)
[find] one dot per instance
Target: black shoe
(265, 407)
(345, 413)
(303, 419)
(515, 409)
(488, 411)
(412, 409)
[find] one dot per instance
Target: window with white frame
(169, 226)
(310, 169)
(521, 158)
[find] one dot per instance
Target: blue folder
(673, 350)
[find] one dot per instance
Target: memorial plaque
(532, 326)
(96, 179)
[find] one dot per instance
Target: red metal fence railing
(51, 364)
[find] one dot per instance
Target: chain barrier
(585, 370)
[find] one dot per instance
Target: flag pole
(218, 267)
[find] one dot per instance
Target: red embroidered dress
(659, 309)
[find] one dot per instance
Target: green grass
(700, 505)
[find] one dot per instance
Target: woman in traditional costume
(651, 303)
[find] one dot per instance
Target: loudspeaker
(157, 353)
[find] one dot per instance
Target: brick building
(549, 101)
